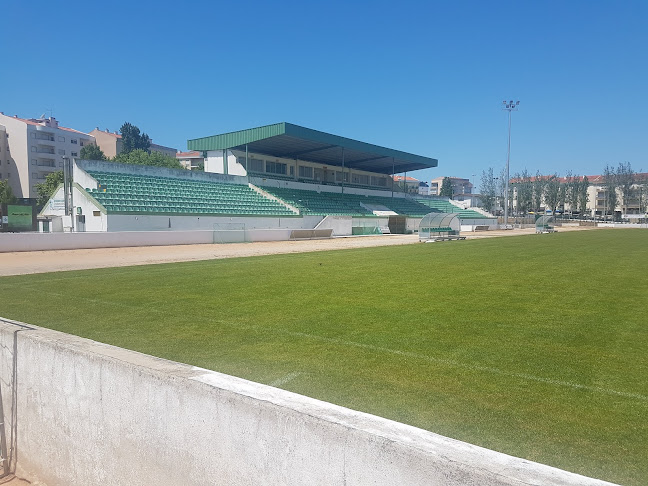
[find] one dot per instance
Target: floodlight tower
(508, 106)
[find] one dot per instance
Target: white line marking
(285, 379)
(488, 369)
(431, 359)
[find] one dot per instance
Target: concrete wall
(261, 181)
(147, 170)
(96, 218)
(69, 241)
(341, 225)
(81, 413)
(148, 222)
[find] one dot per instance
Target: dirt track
(17, 263)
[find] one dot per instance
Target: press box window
(305, 172)
(256, 165)
(275, 168)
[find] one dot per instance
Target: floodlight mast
(508, 106)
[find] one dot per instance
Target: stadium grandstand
(280, 176)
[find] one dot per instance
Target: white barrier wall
(71, 241)
(83, 413)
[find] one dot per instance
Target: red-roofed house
(410, 184)
(34, 148)
(191, 160)
(110, 144)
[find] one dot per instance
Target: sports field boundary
(81, 412)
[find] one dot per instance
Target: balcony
(44, 137)
(46, 163)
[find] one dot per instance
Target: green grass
(535, 346)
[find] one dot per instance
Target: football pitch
(536, 346)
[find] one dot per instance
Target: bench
(309, 234)
(445, 238)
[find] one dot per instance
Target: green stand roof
(294, 142)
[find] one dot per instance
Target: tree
(47, 188)
(92, 152)
(501, 189)
(610, 184)
(488, 190)
(552, 192)
(562, 196)
(524, 191)
(583, 196)
(538, 191)
(625, 178)
(572, 191)
(141, 157)
(6, 193)
(132, 139)
(446, 188)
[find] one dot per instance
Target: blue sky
(424, 77)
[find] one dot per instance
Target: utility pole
(509, 106)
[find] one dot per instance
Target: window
(61, 139)
(34, 161)
(256, 165)
(33, 134)
(61, 152)
(35, 175)
(305, 172)
(275, 168)
(96, 213)
(74, 154)
(74, 141)
(81, 143)
(339, 175)
(292, 170)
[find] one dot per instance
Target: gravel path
(17, 263)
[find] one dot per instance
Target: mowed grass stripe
(534, 346)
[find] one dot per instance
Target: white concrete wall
(147, 170)
(260, 181)
(341, 225)
(147, 222)
(214, 163)
(84, 413)
(96, 218)
(60, 240)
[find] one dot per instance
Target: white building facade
(236, 162)
(459, 186)
(34, 149)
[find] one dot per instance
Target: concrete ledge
(10, 242)
(84, 413)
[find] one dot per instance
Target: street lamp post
(508, 106)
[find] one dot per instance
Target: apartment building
(110, 143)
(34, 148)
(407, 184)
(191, 160)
